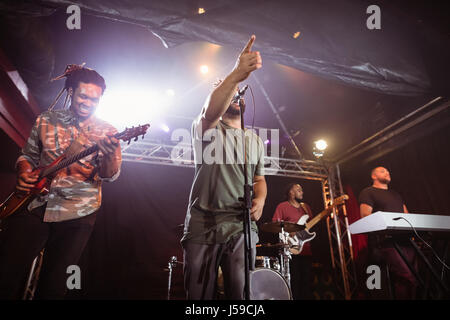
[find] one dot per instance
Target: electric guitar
(20, 199)
(304, 236)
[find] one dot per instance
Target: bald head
(381, 175)
(294, 191)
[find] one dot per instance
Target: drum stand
(285, 256)
(172, 264)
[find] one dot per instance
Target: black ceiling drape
(334, 41)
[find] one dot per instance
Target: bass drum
(267, 284)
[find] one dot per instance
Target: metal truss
(33, 277)
(339, 237)
(152, 152)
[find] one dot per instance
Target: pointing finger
(249, 44)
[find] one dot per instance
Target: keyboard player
(379, 197)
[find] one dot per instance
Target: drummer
(292, 210)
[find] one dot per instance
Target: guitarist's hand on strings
(26, 179)
(108, 146)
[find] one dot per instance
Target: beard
(384, 180)
(232, 111)
(298, 200)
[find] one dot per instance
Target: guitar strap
(303, 205)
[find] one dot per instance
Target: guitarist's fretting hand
(108, 145)
(25, 177)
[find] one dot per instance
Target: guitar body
(18, 200)
(303, 237)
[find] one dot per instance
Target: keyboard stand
(442, 285)
(430, 267)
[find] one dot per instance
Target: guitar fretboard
(318, 217)
(67, 162)
(337, 202)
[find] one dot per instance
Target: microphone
(240, 94)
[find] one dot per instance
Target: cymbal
(275, 227)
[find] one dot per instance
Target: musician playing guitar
(61, 221)
(293, 210)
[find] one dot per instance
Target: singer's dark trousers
(301, 271)
(201, 264)
(23, 236)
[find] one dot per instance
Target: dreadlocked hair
(85, 75)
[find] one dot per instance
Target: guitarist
(62, 221)
(300, 266)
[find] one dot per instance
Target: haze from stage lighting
(130, 107)
(204, 69)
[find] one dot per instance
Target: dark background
(137, 230)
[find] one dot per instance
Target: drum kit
(270, 279)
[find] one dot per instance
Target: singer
(213, 234)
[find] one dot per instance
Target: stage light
(170, 92)
(204, 69)
(319, 148)
(165, 128)
(201, 10)
(125, 108)
(321, 144)
(296, 35)
(267, 141)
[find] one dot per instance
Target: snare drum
(267, 284)
(267, 262)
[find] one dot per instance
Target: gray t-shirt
(214, 213)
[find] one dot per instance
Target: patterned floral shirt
(75, 191)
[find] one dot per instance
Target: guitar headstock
(340, 200)
(133, 132)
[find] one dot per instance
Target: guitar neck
(125, 135)
(67, 162)
(319, 217)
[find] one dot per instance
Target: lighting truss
(154, 152)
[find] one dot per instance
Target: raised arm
(219, 100)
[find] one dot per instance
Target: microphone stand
(248, 189)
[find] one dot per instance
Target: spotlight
(170, 92)
(319, 148)
(122, 106)
(165, 128)
(267, 141)
(201, 10)
(204, 69)
(296, 35)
